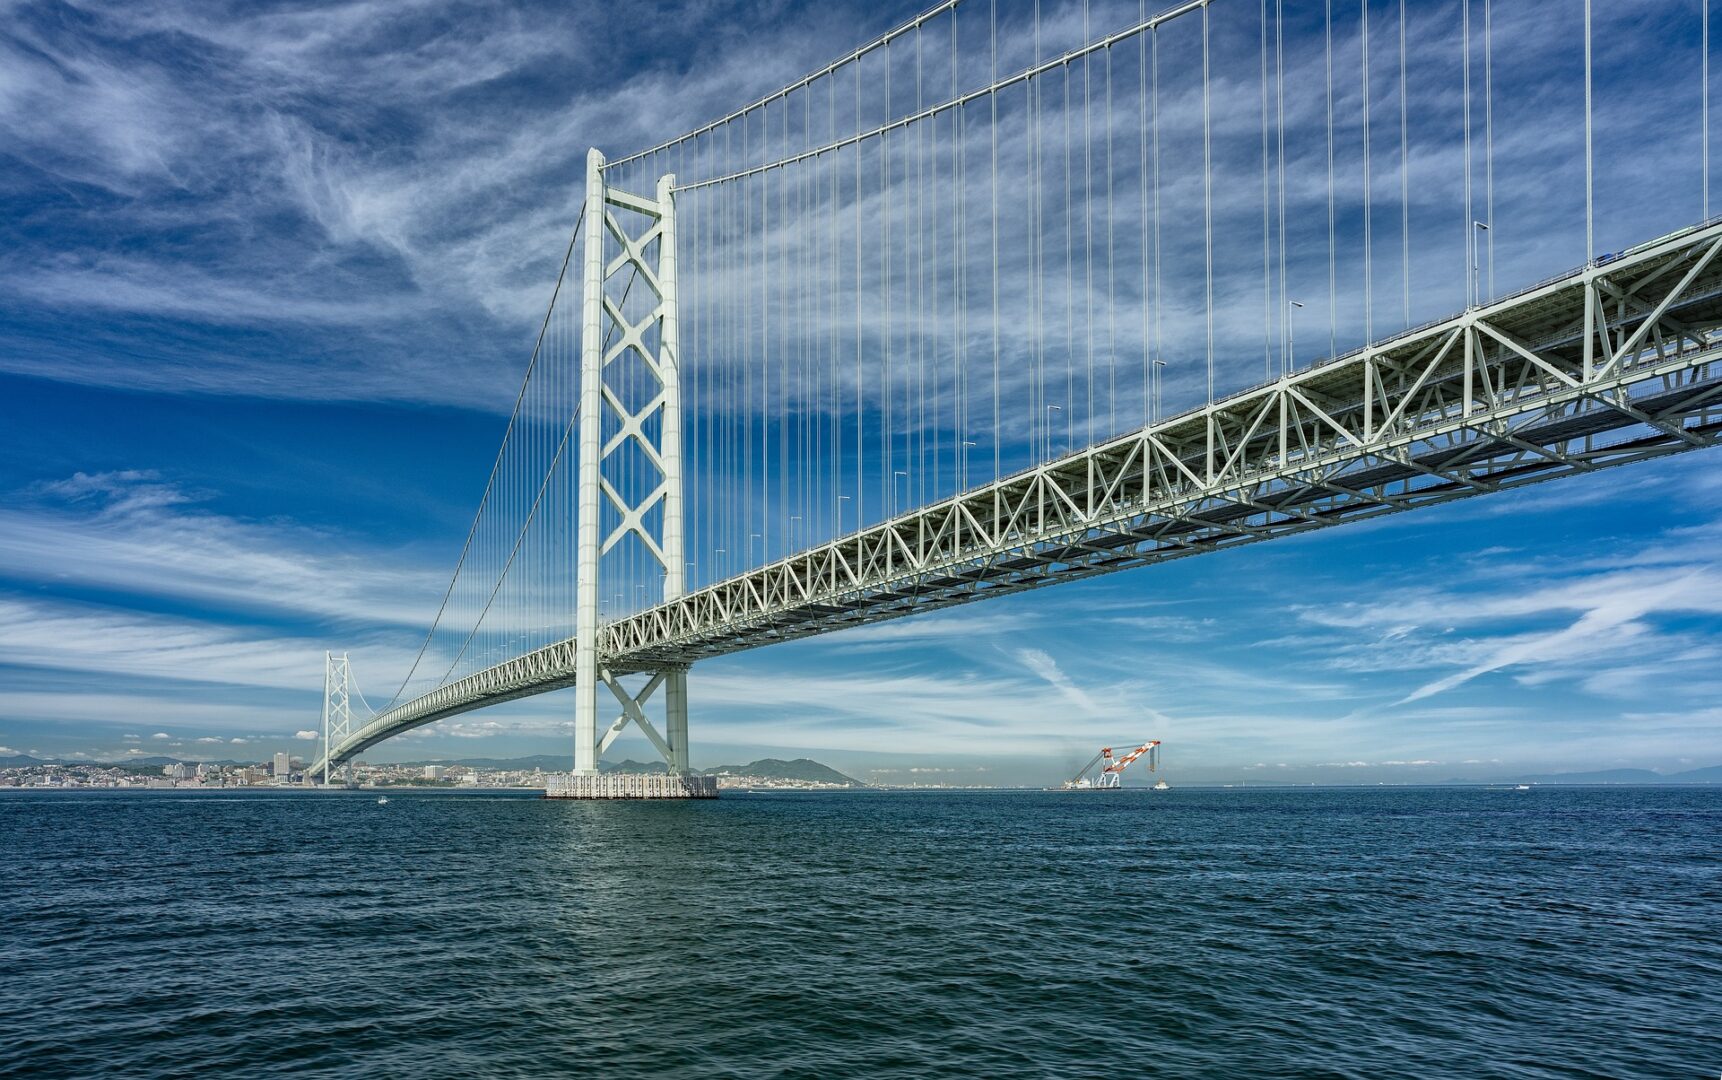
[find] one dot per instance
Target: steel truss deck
(1614, 363)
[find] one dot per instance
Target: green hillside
(778, 769)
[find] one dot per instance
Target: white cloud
(1047, 668)
(1610, 618)
(238, 742)
(306, 734)
(131, 532)
(161, 735)
(107, 642)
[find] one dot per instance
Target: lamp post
(1290, 363)
(841, 499)
(1476, 259)
(963, 466)
(1050, 409)
(1154, 390)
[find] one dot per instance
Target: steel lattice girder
(1615, 363)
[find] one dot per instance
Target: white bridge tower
(337, 705)
(620, 353)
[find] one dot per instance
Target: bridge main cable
(783, 92)
(957, 102)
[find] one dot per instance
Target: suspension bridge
(901, 334)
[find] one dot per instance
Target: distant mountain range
(19, 761)
(778, 769)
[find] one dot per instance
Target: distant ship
(1161, 785)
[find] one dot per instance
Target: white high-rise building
(282, 767)
(433, 772)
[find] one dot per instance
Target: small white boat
(1523, 787)
(383, 801)
(1162, 786)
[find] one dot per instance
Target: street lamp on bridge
(1476, 259)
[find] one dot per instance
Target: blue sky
(268, 278)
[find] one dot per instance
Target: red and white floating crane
(1112, 768)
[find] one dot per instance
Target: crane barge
(1112, 768)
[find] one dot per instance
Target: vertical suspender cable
(860, 397)
(1489, 136)
(1039, 426)
(1404, 175)
(1088, 217)
(1589, 160)
(1267, 216)
(1111, 271)
(1070, 271)
(1332, 247)
(750, 282)
(834, 380)
(993, 130)
(786, 343)
(886, 433)
(1159, 290)
(960, 171)
(806, 344)
(1280, 109)
(1368, 234)
(1470, 229)
(1142, 185)
(1208, 197)
(914, 250)
(724, 430)
(1704, 108)
(1268, 273)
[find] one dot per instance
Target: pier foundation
(631, 786)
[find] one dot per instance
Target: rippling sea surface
(1376, 932)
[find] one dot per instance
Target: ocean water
(1365, 933)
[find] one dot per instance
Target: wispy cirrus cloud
(104, 642)
(1610, 626)
(132, 532)
(359, 184)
